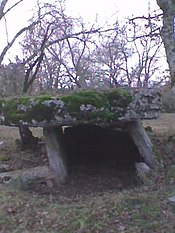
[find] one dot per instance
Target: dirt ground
(91, 171)
(165, 124)
(91, 202)
(86, 178)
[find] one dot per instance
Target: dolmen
(118, 109)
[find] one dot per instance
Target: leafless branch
(153, 33)
(146, 17)
(37, 63)
(14, 39)
(2, 7)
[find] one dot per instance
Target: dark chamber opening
(104, 155)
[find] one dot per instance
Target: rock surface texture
(99, 107)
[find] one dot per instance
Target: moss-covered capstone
(90, 106)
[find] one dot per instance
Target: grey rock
(143, 170)
(24, 178)
(4, 167)
(171, 200)
(2, 145)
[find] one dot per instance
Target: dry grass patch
(139, 210)
(165, 124)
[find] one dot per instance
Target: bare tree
(35, 64)
(108, 56)
(56, 29)
(6, 6)
(12, 75)
(58, 51)
(168, 34)
(129, 55)
(77, 54)
(3, 4)
(145, 44)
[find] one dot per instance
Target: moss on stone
(74, 101)
(39, 111)
(116, 97)
(20, 109)
(119, 97)
(42, 98)
(83, 105)
(10, 109)
(106, 105)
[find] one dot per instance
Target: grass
(143, 209)
(164, 125)
(139, 210)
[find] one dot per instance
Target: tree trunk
(167, 34)
(27, 140)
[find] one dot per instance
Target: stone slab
(81, 107)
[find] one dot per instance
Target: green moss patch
(119, 97)
(83, 105)
(9, 108)
(74, 101)
(25, 109)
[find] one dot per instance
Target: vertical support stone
(55, 151)
(142, 141)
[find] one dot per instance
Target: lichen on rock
(92, 106)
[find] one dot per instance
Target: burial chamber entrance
(104, 136)
(103, 154)
(117, 155)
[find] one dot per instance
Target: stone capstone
(90, 112)
(90, 106)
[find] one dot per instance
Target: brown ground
(92, 202)
(98, 164)
(96, 175)
(165, 124)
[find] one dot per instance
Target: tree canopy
(61, 52)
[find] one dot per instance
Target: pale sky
(87, 9)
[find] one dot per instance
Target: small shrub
(4, 158)
(148, 129)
